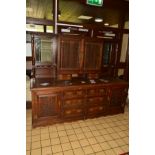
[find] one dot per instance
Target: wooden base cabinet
(54, 104)
(46, 108)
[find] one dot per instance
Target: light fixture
(85, 17)
(98, 20)
(106, 24)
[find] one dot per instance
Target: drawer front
(74, 103)
(97, 100)
(92, 92)
(96, 110)
(102, 91)
(74, 93)
(96, 92)
(76, 112)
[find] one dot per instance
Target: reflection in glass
(43, 50)
(107, 51)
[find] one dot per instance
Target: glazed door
(92, 55)
(69, 54)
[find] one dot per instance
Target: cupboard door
(118, 97)
(69, 54)
(92, 55)
(48, 105)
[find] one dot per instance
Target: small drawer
(92, 92)
(74, 93)
(102, 91)
(73, 112)
(73, 102)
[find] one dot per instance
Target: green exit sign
(95, 2)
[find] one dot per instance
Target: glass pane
(43, 50)
(39, 9)
(28, 50)
(107, 51)
(34, 28)
(49, 29)
(124, 47)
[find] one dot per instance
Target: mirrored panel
(43, 49)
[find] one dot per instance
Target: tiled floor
(99, 136)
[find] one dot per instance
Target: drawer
(73, 112)
(97, 100)
(96, 92)
(73, 103)
(74, 93)
(102, 91)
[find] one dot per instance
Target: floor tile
(100, 153)
(45, 143)
(36, 152)
(80, 136)
(75, 144)
(96, 133)
(59, 153)
(27, 152)
(44, 130)
(92, 140)
(107, 137)
(84, 142)
(125, 148)
(54, 135)
(105, 146)
(109, 152)
(112, 144)
(120, 142)
(88, 134)
(126, 140)
(118, 150)
(88, 150)
(115, 135)
(70, 132)
(36, 138)
(60, 127)
(69, 152)
(96, 148)
(62, 133)
(100, 139)
(36, 145)
(45, 136)
(55, 141)
(46, 151)
(78, 130)
(64, 139)
(78, 151)
(72, 137)
(66, 146)
(56, 148)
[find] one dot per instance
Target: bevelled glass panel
(43, 49)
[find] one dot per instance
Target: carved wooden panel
(69, 53)
(92, 55)
(118, 96)
(48, 105)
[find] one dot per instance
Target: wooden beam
(38, 21)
